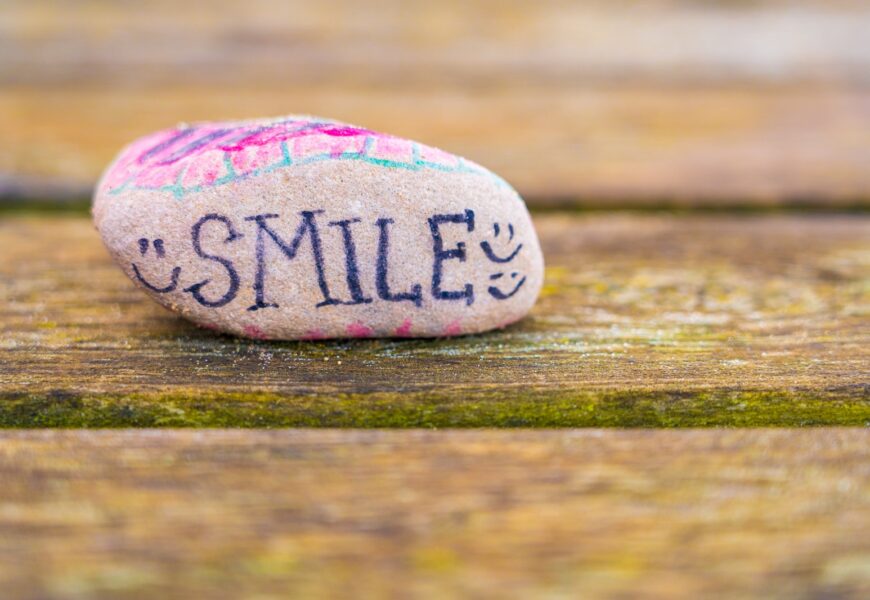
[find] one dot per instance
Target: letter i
(353, 283)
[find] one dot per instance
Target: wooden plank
(644, 321)
(228, 514)
(576, 103)
(593, 147)
(454, 41)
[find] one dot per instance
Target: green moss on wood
(535, 408)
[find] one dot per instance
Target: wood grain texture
(467, 42)
(598, 147)
(483, 514)
(576, 103)
(644, 321)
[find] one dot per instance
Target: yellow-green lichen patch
(461, 408)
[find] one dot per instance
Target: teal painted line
(286, 160)
(121, 188)
(313, 159)
(231, 171)
(437, 166)
(418, 163)
(385, 162)
(176, 188)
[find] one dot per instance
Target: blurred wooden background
(594, 103)
(650, 320)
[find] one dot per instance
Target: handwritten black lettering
(351, 268)
(309, 226)
(384, 293)
(501, 251)
(232, 235)
(442, 255)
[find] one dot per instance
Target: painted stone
(307, 228)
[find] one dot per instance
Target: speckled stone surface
(305, 228)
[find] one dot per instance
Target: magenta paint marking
(187, 159)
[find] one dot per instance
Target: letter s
(194, 290)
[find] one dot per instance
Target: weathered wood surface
(465, 42)
(482, 514)
(644, 321)
(576, 103)
(600, 147)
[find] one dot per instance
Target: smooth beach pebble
(306, 228)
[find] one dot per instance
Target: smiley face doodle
(492, 256)
(160, 251)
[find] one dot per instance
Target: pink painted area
(205, 171)
(163, 176)
(254, 332)
(453, 328)
(346, 131)
(197, 156)
(390, 148)
(292, 129)
(255, 157)
(404, 330)
(251, 136)
(313, 334)
(358, 330)
(199, 140)
(334, 146)
(126, 165)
